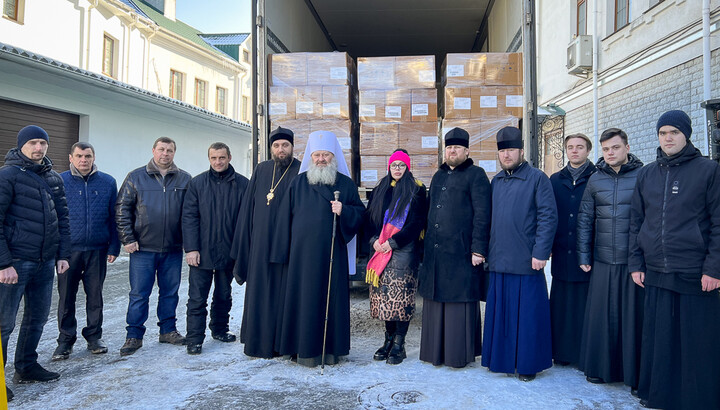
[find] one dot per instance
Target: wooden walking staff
(327, 303)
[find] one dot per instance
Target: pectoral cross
(270, 196)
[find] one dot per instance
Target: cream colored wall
(617, 50)
(503, 23)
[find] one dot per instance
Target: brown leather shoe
(174, 338)
(131, 346)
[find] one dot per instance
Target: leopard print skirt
(394, 298)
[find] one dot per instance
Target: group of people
(635, 256)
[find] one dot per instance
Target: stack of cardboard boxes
(482, 93)
(312, 92)
(398, 106)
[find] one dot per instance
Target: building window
(246, 56)
(201, 93)
(221, 101)
(581, 28)
(12, 9)
(245, 109)
(176, 84)
(108, 61)
(622, 13)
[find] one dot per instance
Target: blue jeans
(35, 286)
(144, 267)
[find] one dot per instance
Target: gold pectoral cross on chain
(270, 196)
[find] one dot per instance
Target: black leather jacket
(149, 208)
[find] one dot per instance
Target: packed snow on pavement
(165, 376)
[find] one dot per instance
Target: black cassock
(302, 240)
(265, 282)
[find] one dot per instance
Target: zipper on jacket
(161, 181)
(662, 229)
(87, 214)
(614, 217)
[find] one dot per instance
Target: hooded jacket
(91, 204)
(149, 208)
(35, 223)
(210, 213)
(675, 222)
(568, 194)
(604, 218)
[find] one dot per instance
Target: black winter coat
(605, 214)
(675, 226)
(149, 208)
(458, 225)
(35, 223)
(406, 242)
(524, 220)
(210, 213)
(568, 194)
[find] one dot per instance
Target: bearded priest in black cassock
(265, 281)
(303, 239)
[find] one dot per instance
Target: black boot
(382, 352)
(397, 353)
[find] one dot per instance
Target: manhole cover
(407, 397)
(389, 395)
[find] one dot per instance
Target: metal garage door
(62, 127)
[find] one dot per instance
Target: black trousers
(199, 289)
(90, 268)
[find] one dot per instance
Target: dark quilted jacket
(35, 224)
(92, 210)
(605, 214)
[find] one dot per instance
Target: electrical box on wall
(579, 55)
(712, 127)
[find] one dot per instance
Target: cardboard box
(415, 72)
(457, 103)
(371, 107)
(372, 169)
(424, 106)
(287, 69)
(308, 104)
(419, 138)
(378, 138)
(424, 167)
(398, 105)
(376, 73)
(483, 141)
(336, 102)
(497, 101)
(335, 68)
(282, 103)
(301, 131)
(476, 69)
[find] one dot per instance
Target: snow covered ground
(165, 376)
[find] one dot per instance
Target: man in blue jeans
(148, 214)
(34, 240)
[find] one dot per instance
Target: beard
(453, 162)
(323, 175)
(282, 162)
(512, 166)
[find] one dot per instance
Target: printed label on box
(462, 103)
(344, 142)
(420, 109)
(367, 110)
(488, 101)
(426, 76)
(304, 107)
(454, 70)
(331, 108)
(338, 73)
(278, 108)
(368, 175)
(445, 131)
(488, 165)
(513, 100)
(393, 111)
(430, 142)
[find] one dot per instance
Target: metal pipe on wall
(254, 78)
(706, 49)
(595, 51)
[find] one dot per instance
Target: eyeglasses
(398, 166)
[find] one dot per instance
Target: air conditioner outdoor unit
(579, 55)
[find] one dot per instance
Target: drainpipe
(147, 59)
(93, 4)
(706, 49)
(130, 27)
(596, 46)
